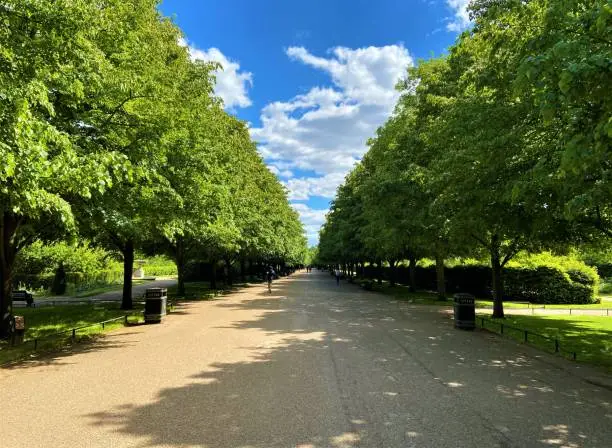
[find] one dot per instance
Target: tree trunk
(440, 281)
(128, 269)
(180, 266)
(392, 272)
(213, 275)
(412, 272)
(497, 280)
(228, 267)
(8, 227)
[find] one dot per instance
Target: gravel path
(311, 365)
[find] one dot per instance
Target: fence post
(526, 336)
(103, 325)
(502, 328)
(35, 344)
(556, 345)
(73, 334)
(532, 311)
(126, 319)
(574, 354)
(570, 311)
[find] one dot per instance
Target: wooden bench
(23, 296)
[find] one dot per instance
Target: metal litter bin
(155, 304)
(18, 330)
(464, 311)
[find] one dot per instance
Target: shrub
(542, 278)
(39, 258)
(158, 266)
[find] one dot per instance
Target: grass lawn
(401, 292)
(202, 291)
(589, 336)
(48, 321)
(107, 288)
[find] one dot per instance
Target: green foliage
(158, 266)
(109, 129)
(502, 146)
(40, 258)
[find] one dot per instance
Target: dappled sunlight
(345, 440)
(559, 435)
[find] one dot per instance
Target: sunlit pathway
(311, 365)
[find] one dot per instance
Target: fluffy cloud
(231, 84)
(312, 219)
(325, 130)
(300, 189)
(461, 20)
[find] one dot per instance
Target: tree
(51, 66)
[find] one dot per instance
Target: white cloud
(461, 21)
(300, 189)
(313, 219)
(280, 172)
(324, 131)
(231, 84)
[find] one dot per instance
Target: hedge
(79, 280)
(536, 284)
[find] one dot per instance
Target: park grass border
(62, 339)
(503, 331)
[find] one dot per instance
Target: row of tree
(110, 131)
(502, 145)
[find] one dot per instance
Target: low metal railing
(526, 336)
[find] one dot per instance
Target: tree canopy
(109, 130)
(501, 145)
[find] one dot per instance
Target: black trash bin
(18, 330)
(465, 311)
(155, 304)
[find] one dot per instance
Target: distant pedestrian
(337, 273)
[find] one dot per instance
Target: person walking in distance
(270, 274)
(337, 272)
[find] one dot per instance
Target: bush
(43, 259)
(541, 278)
(158, 266)
(85, 266)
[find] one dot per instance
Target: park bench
(22, 296)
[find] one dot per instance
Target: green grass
(193, 291)
(107, 288)
(47, 322)
(606, 302)
(201, 290)
(401, 292)
(589, 336)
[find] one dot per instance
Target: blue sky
(314, 79)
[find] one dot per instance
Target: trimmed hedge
(542, 284)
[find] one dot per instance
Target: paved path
(138, 291)
(311, 365)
